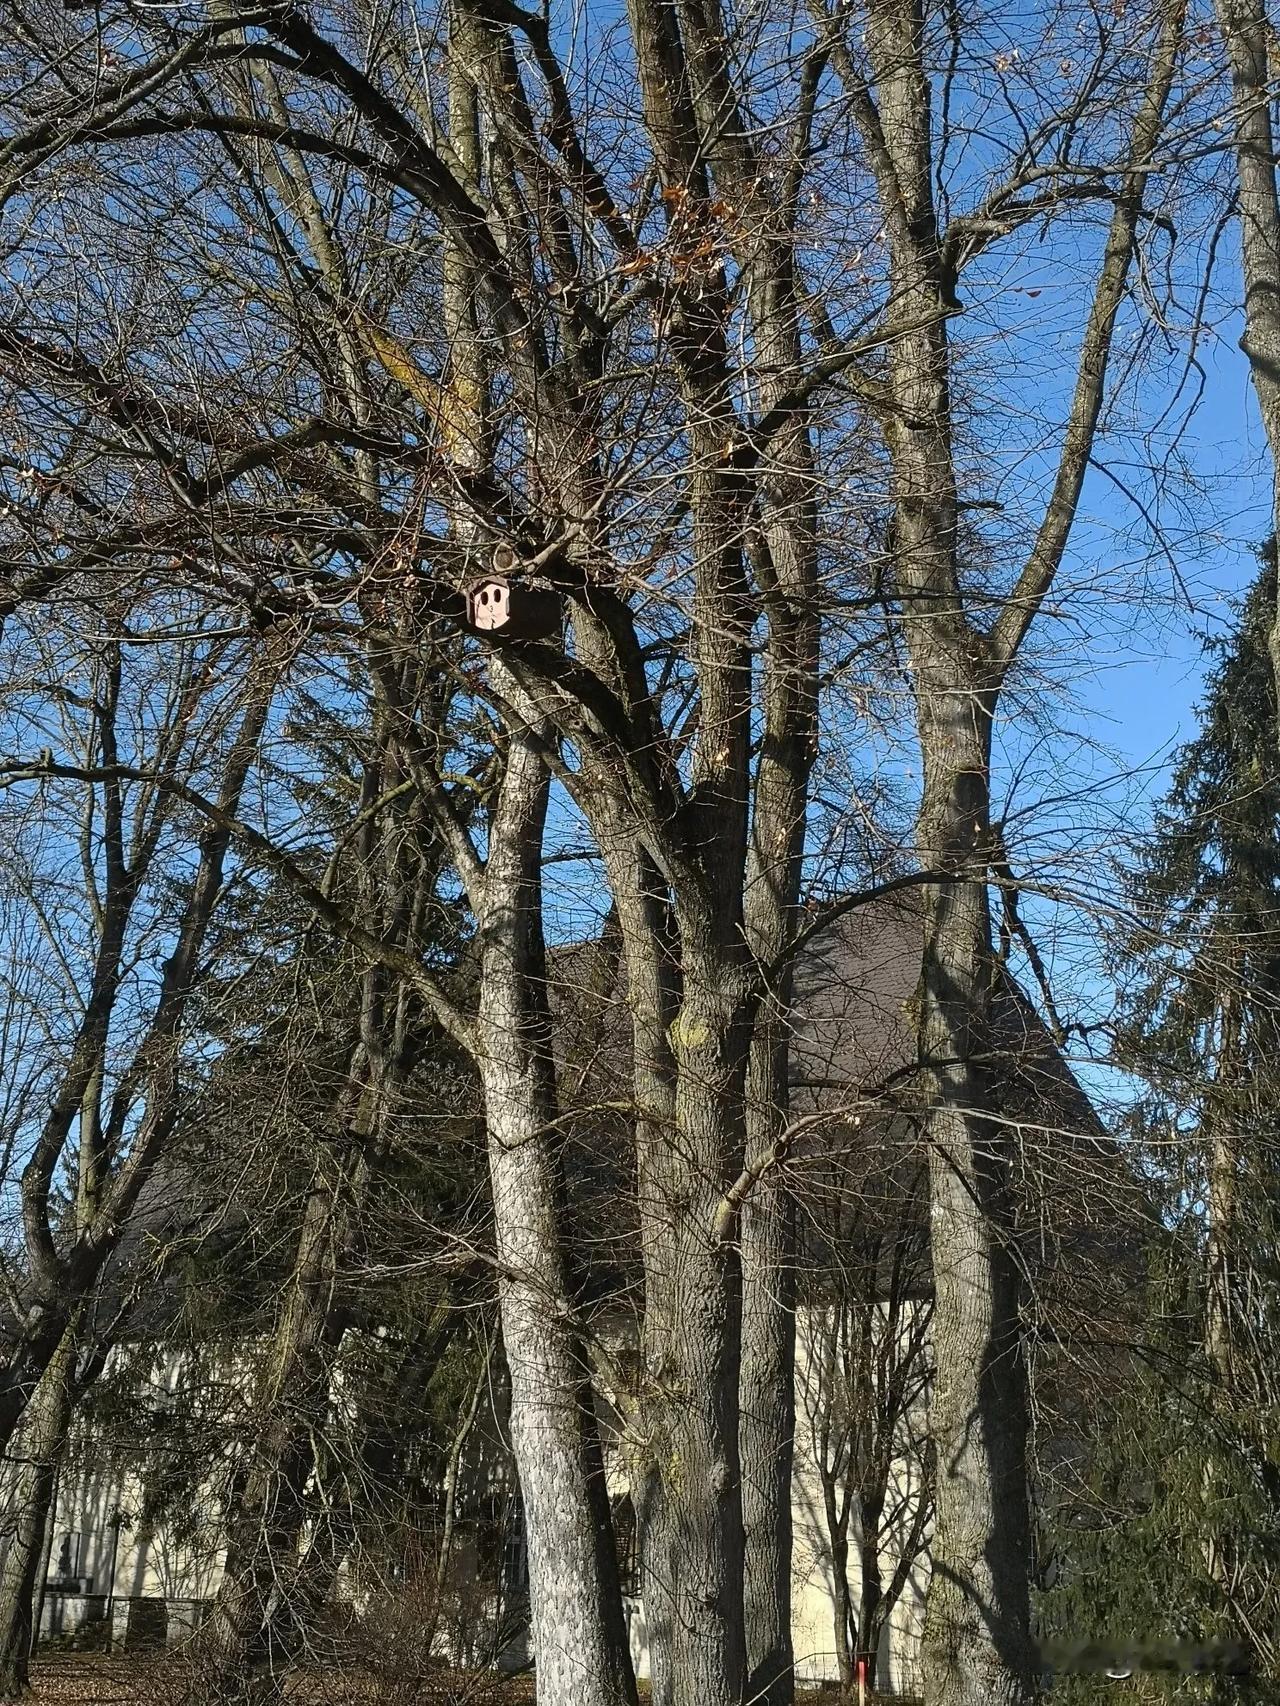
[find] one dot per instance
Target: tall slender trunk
(653, 1000)
(42, 1442)
(767, 1232)
(786, 565)
(842, 1607)
(444, 1553)
(1221, 1280)
(1223, 1232)
(767, 1423)
(579, 1633)
(581, 1650)
(977, 1648)
(1249, 38)
(46, 1554)
(265, 1522)
(977, 1645)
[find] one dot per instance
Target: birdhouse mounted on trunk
(499, 603)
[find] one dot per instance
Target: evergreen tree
(1178, 1537)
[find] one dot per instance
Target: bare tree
(977, 1632)
(111, 1087)
(649, 349)
(864, 1378)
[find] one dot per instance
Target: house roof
(859, 1176)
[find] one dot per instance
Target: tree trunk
(977, 1645)
(581, 1651)
(870, 1608)
(43, 1440)
(1221, 1283)
(693, 1341)
(690, 1020)
(767, 1233)
(265, 1521)
(767, 1426)
(1249, 38)
(444, 1555)
(42, 1573)
(976, 1642)
(653, 1000)
(579, 1633)
(842, 1599)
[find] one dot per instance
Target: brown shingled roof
(862, 1173)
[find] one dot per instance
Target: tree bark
(827, 1413)
(653, 1000)
(579, 1633)
(977, 1643)
(1250, 39)
(42, 1441)
(786, 564)
(42, 1573)
(977, 1648)
(581, 1651)
(694, 1339)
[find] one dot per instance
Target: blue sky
(1133, 674)
(1141, 690)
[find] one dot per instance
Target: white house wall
(184, 1568)
(813, 1589)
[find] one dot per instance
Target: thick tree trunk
(653, 1000)
(579, 1633)
(43, 1440)
(977, 1645)
(689, 1026)
(1250, 40)
(692, 1336)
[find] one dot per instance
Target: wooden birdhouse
(501, 604)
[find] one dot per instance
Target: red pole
(862, 1682)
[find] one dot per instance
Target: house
(864, 1285)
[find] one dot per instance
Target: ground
(86, 1679)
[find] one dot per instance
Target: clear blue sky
(1143, 684)
(1129, 670)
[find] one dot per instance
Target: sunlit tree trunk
(1250, 39)
(42, 1442)
(579, 1632)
